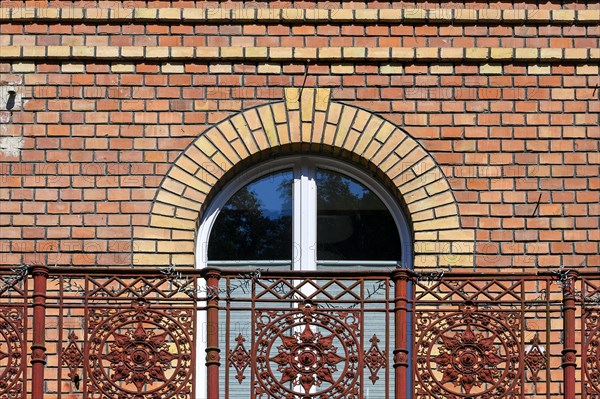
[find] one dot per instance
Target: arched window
(305, 213)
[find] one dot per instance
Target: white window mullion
(305, 218)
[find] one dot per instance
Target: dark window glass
(352, 222)
(256, 223)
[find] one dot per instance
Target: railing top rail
(223, 272)
(266, 272)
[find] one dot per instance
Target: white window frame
(304, 189)
(304, 239)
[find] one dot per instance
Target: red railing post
(400, 277)
(569, 358)
(213, 363)
(38, 347)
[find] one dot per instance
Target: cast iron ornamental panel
(474, 337)
(124, 336)
(592, 354)
(12, 352)
(288, 350)
(468, 353)
(307, 336)
(485, 337)
(139, 353)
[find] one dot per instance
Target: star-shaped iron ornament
(468, 359)
(307, 359)
(139, 357)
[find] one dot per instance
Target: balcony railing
(222, 333)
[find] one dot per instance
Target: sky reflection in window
(256, 223)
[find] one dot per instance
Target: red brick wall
(512, 123)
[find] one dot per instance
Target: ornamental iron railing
(490, 337)
(233, 334)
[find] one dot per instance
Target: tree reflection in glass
(256, 223)
(352, 222)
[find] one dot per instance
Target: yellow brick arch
(306, 121)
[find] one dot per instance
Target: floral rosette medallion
(307, 354)
(141, 354)
(469, 355)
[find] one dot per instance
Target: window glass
(256, 222)
(352, 222)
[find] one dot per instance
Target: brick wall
(504, 98)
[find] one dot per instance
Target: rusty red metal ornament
(72, 357)
(308, 353)
(11, 349)
(469, 354)
(239, 358)
(375, 359)
(536, 358)
(140, 353)
(592, 353)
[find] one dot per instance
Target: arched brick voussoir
(209, 148)
(242, 130)
(232, 137)
(307, 117)
(166, 197)
(257, 130)
(306, 111)
(167, 222)
(365, 125)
